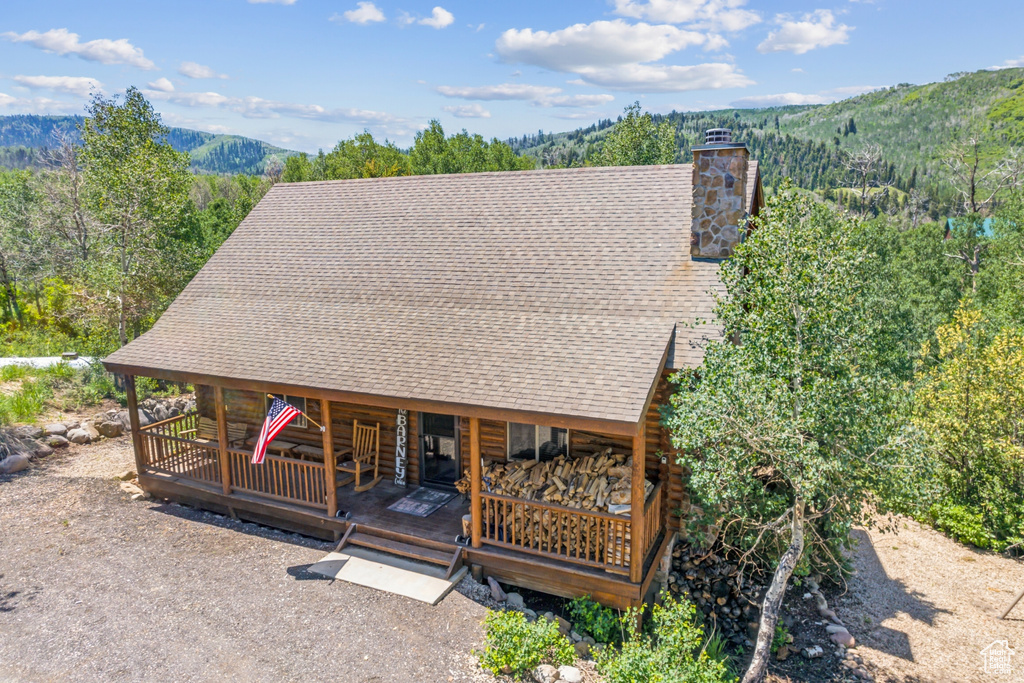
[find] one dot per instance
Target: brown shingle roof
(544, 291)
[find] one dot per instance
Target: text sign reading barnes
(401, 439)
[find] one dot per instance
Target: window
(297, 401)
(535, 442)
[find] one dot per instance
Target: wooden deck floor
(370, 508)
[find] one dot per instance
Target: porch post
(222, 439)
(133, 421)
(636, 513)
(330, 465)
(475, 508)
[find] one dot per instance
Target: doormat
(422, 502)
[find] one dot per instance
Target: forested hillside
(22, 137)
(911, 126)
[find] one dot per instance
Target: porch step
(367, 539)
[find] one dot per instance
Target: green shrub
(599, 622)
(674, 652)
(780, 638)
(961, 524)
(516, 646)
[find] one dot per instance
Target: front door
(439, 449)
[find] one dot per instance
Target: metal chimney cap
(718, 136)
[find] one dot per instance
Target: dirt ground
(94, 587)
(922, 607)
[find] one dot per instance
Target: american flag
(279, 415)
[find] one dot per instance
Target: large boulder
(56, 441)
(90, 427)
(109, 429)
(146, 418)
(79, 436)
(545, 673)
(55, 428)
(14, 463)
(29, 432)
(160, 412)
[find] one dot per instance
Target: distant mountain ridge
(911, 123)
(23, 135)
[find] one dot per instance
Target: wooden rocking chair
(365, 448)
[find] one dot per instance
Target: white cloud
(505, 91)
(195, 70)
(259, 108)
(467, 111)
(541, 95)
(724, 15)
(576, 100)
(778, 100)
(814, 30)
(102, 50)
(161, 84)
(37, 105)
(365, 13)
(271, 2)
(73, 85)
(794, 98)
(651, 78)
(1009, 64)
(601, 43)
(439, 18)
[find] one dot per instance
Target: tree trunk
(758, 668)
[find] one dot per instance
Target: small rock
(850, 664)
(843, 638)
(835, 628)
(812, 652)
(589, 641)
(496, 592)
(14, 463)
(90, 427)
(72, 424)
(55, 428)
(783, 653)
(56, 441)
(41, 450)
(515, 600)
(864, 675)
(160, 412)
(545, 673)
(549, 616)
(79, 436)
(530, 614)
(127, 475)
(582, 650)
(598, 647)
(575, 637)
(570, 674)
(137, 496)
(130, 488)
(109, 429)
(145, 418)
(563, 626)
(807, 596)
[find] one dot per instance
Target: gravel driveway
(94, 587)
(923, 606)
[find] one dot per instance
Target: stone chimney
(719, 195)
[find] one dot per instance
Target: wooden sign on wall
(401, 449)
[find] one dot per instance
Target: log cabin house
(480, 319)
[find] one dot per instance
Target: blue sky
(306, 73)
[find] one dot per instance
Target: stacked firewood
(601, 482)
(713, 584)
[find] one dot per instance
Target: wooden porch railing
(164, 450)
(287, 479)
(587, 537)
(293, 481)
(596, 539)
(652, 519)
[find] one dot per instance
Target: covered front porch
(555, 548)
